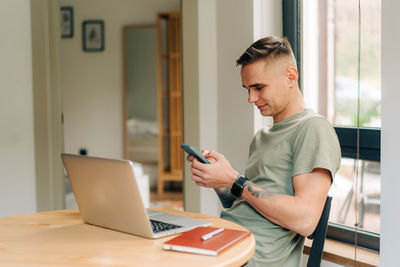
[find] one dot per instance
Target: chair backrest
(319, 235)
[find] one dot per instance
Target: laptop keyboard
(162, 226)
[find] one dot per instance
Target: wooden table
(61, 238)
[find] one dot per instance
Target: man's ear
(293, 76)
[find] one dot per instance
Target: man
(290, 166)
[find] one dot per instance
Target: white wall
(92, 81)
(390, 147)
(17, 163)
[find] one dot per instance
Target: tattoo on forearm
(259, 193)
(226, 197)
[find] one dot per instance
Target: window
(340, 70)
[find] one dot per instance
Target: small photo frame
(67, 22)
(93, 35)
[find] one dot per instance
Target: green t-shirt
(293, 146)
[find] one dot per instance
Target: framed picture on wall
(67, 22)
(93, 35)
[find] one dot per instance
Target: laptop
(108, 195)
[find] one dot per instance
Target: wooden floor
(169, 199)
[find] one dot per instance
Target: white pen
(213, 233)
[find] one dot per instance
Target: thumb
(215, 155)
(204, 152)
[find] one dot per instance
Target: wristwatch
(238, 185)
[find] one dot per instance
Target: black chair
(319, 235)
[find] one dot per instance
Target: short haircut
(271, 47)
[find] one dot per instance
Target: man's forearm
(280, 209)
(225, 196)
(299, 212)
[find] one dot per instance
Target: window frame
(369, 138)
(369, 149)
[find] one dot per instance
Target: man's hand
(218, 174)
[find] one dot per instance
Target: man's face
(268, 86)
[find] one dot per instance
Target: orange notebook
(192, 241)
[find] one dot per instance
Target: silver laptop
(108, 195)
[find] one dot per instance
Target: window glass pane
(363, 177)
(345, 39)
(330, 73)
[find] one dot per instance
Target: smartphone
(192, 151)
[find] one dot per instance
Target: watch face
(237, 187)
(236, 190)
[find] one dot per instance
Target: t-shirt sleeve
(316, 145)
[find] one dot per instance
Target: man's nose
(252, 96)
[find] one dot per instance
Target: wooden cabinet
(169, 99)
